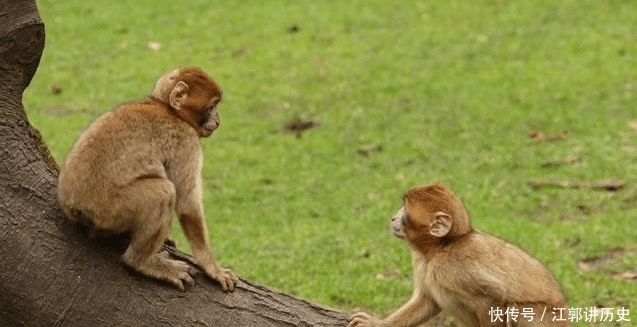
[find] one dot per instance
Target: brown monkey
(478, 278)
(136, 164)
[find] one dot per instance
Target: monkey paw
(362, 319)
(180, 274)
(226, 278)
(160, 266)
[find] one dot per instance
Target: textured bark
(51, 274)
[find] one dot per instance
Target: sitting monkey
(137, 164)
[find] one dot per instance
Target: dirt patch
(623, 275)
(600, 261)
(610, 257)
(541, 137)
(610, 185)
(298, 126)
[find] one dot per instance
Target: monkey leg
(148, 204)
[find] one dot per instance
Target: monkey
(137, 164)
(479, 279)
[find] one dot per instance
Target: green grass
(442, 91)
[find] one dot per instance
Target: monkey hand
(362, 319)
(225, 277)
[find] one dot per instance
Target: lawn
(492, 98)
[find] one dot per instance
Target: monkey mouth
(207, 130)
(398, 232)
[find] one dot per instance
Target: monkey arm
(419, 309)
(191, 218)
(189, 207)
(192, 222)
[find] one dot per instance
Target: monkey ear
(441, 224)
(178, 95)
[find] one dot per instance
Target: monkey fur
(137, 164)
(465, 272)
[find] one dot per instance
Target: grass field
(401, 94)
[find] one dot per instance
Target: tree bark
(51, 274)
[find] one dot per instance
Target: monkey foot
(159, 266)
(181, 276)
(225, 277)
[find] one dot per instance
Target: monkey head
(430, 213)
(193, 96)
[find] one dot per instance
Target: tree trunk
(53, 275)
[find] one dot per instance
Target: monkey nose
(212, 125)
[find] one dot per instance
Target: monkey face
(203, 107)
(415, 223)
(397, 224)
(209, 121)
